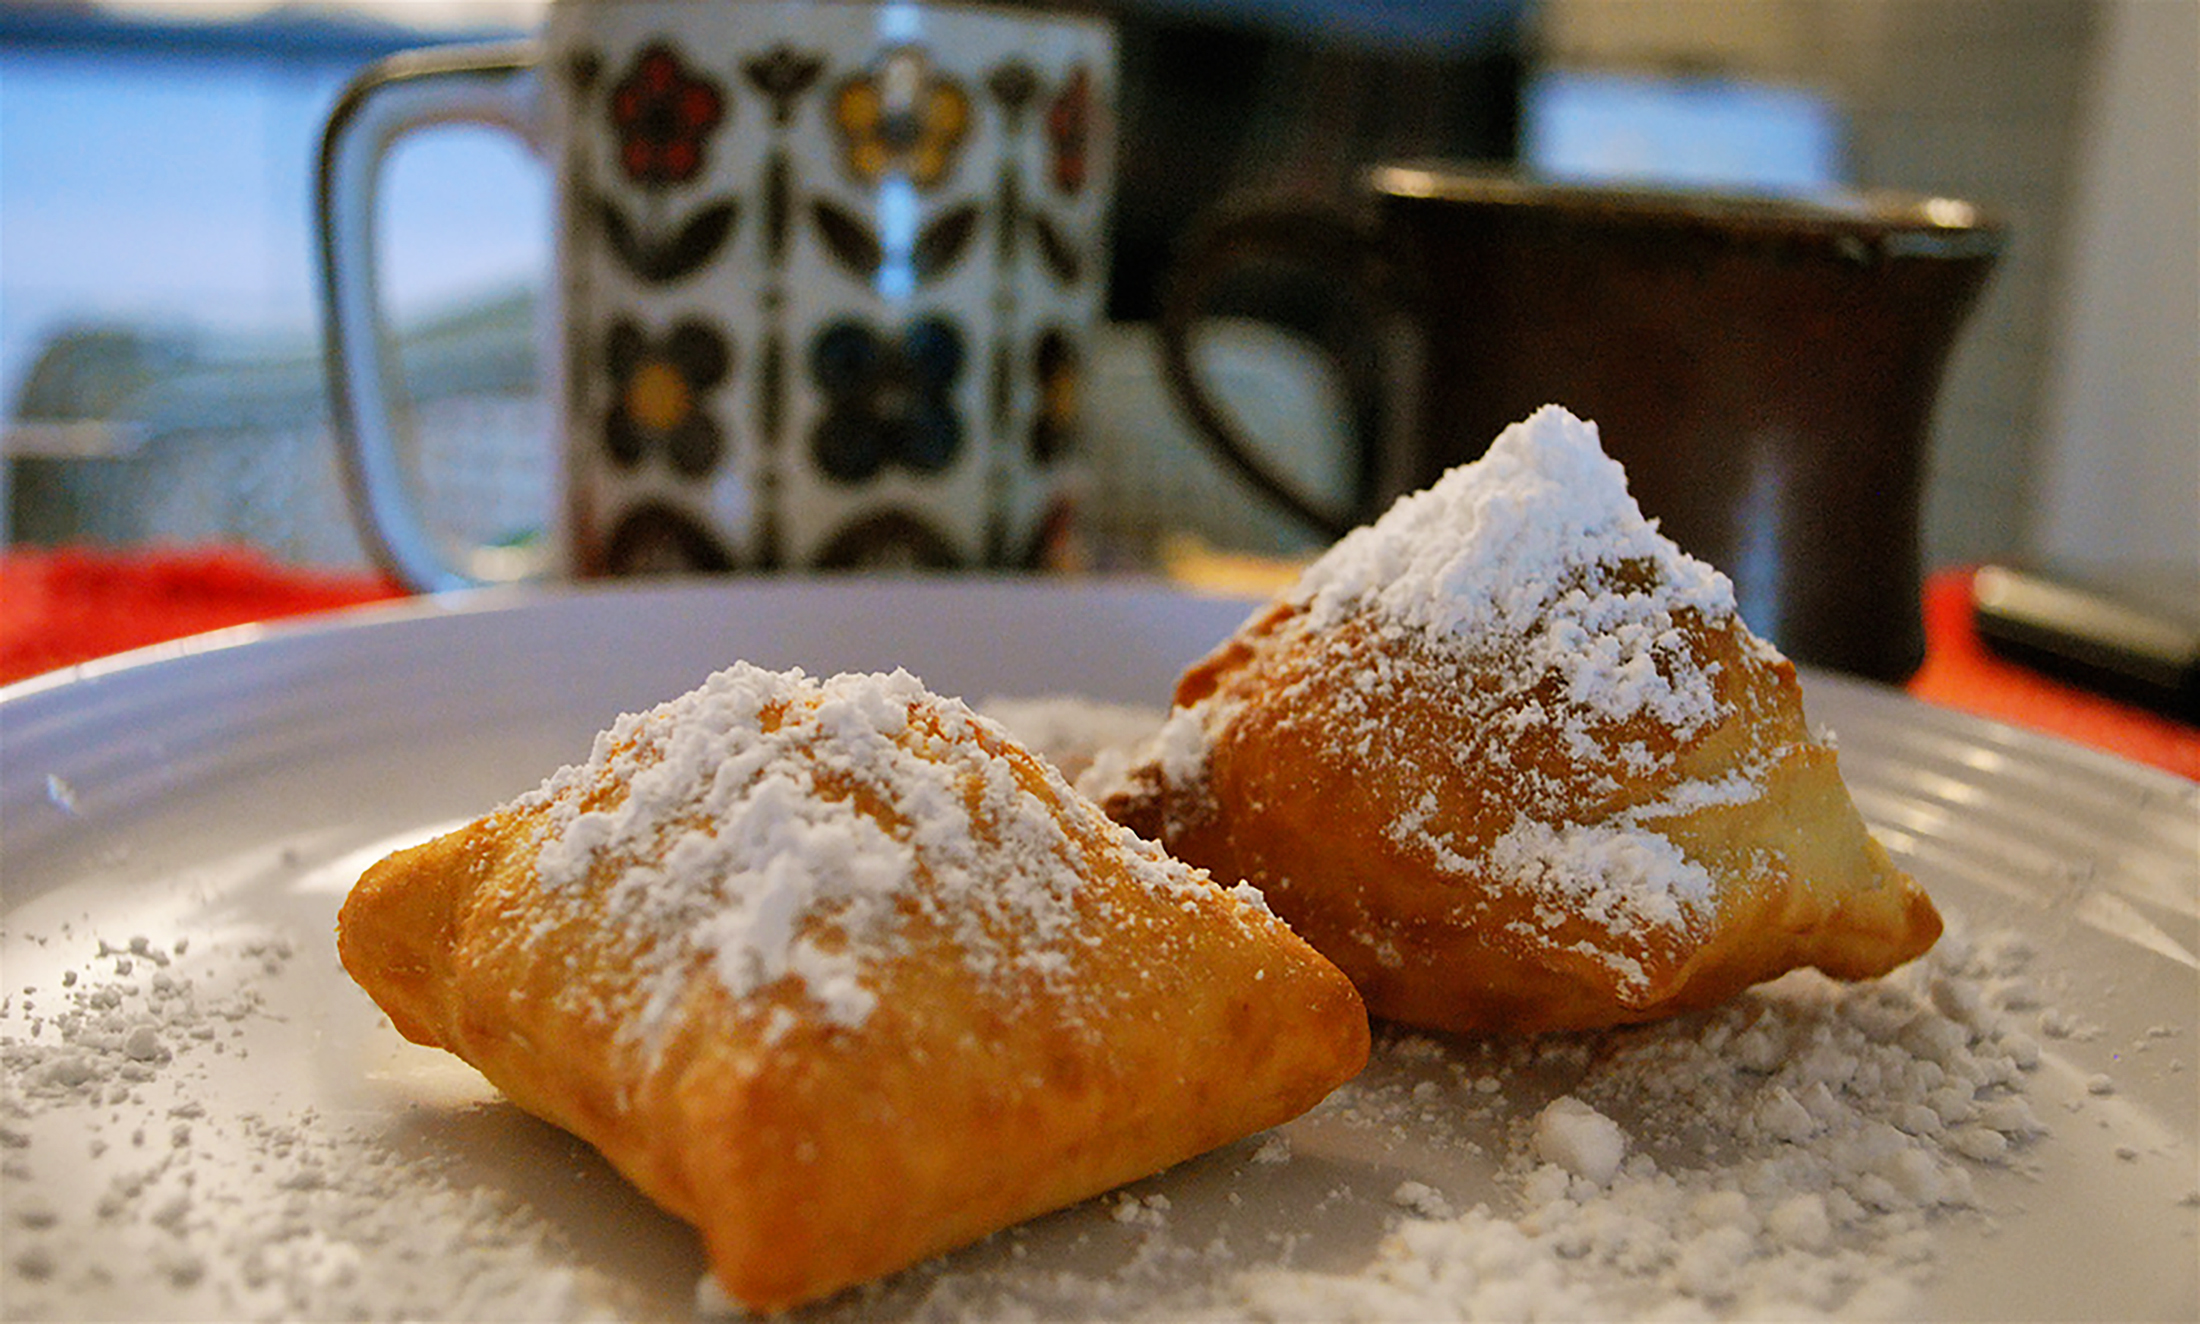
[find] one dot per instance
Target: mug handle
(1319, 241)
(492, 85)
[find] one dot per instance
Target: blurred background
(159, 353)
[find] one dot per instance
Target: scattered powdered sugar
(1798, 1153)
(780, 825)
(122, 1185)
(1803, 1152)
(111, 1035)
(1793, 1154)
(1579, 1140)
(1516, 552)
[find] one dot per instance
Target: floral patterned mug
(827, 275)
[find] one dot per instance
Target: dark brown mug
(1765, 367)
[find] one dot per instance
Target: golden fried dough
(842, 975)
(1511, 760)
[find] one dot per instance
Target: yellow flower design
(903, 118)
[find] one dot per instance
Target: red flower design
(662, 113)
(1069, 130)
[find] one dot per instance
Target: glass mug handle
(1360, 308)
(491, 85)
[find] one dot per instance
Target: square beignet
(1512, 760)
(842, 975)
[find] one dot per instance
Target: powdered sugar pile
(1514, 556)
(763, 805)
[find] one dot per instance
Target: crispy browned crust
(812, 1156)
(1299, 800)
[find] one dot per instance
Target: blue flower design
(888, 401)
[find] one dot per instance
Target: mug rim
(1931, 224)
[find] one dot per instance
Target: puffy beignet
(842, 975)
(1513, 761)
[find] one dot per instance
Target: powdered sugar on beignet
(1501, 559)
(842, 974)
(764, 800)
(1511, 758)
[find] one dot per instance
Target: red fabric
(67, 605)
(1960, 672)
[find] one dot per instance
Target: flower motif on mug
(1013, 85)
(904, 118)
(662, 113)
(1069, 132)
(656, 395)
(886, 400)
(1054, 427)
(783, 74)
(657, 538)
(888, 540)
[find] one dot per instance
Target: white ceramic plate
(204, 1119)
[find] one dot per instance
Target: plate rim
(63, 684)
